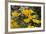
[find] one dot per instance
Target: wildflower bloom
(14, 24)
(16, 14)
(27, 12)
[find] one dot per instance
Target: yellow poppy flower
(36, 21)
(27, 12)
(27, 20)
(15, 14)
(14, 24)
(29, 26)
